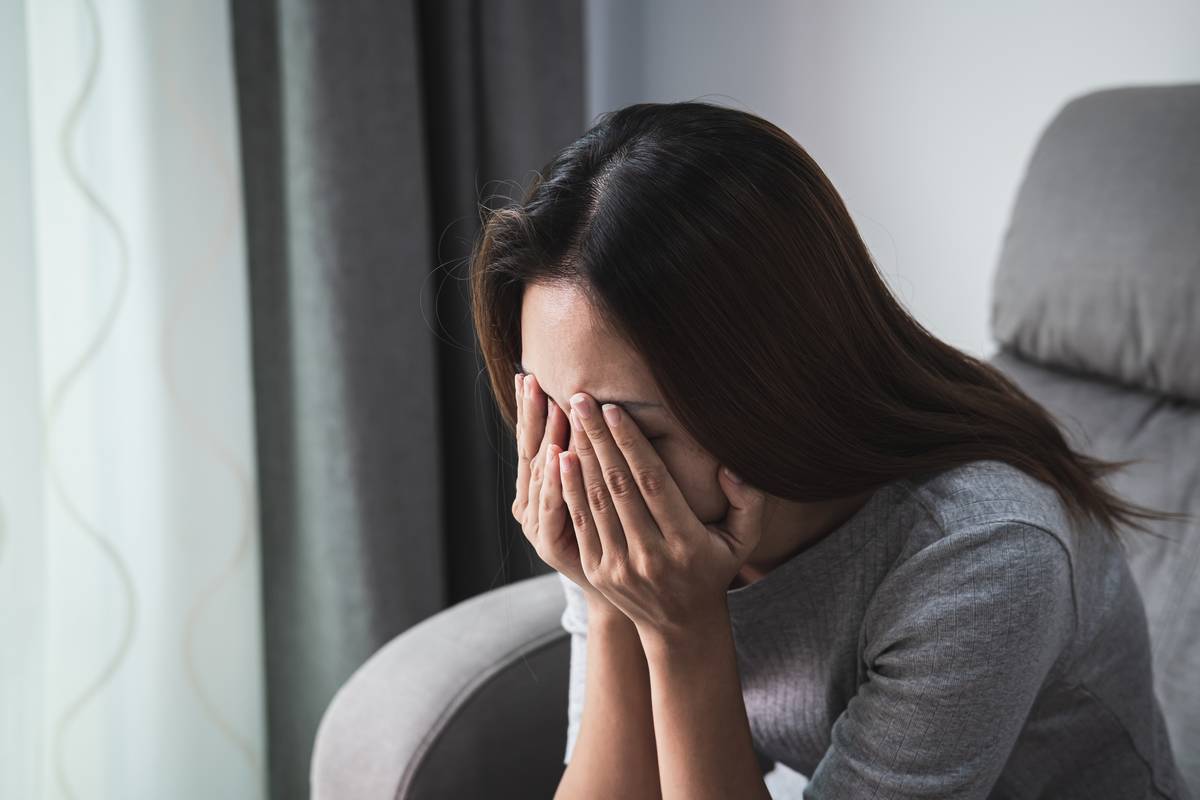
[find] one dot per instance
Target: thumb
(743, 520)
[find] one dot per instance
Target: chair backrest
(1096, 309)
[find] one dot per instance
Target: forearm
(701, 729)
(614, 754)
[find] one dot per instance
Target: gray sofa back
(1096, 309)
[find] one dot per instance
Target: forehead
(568, 347)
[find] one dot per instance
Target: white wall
(922, 114)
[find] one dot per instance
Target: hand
(640, 544)
(539, 507)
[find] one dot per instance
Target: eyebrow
(631, 405)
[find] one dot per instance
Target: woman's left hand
(640, 544)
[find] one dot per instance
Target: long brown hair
(711, 242)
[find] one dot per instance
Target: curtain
(131, 659)
(370, 133)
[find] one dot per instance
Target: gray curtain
(370, 131)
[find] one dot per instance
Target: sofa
(1096, 315)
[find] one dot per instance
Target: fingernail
(580, 404)
(611, 414)
(529, 386)
(575, 420)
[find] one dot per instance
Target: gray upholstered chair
(1096, 312)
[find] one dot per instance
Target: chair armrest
(471, 702)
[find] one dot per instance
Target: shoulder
(987, 595)
(966, 626)
(971, 496)
(990, 547)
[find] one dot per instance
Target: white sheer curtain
(130, 629)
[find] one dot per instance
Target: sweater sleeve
(958, 641)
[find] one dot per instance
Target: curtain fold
(370, 132)
(131, 659)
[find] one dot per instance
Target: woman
(916, 588)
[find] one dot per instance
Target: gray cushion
(1099, 270)
(1109, 421)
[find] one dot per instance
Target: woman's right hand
(542, 432)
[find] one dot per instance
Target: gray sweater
(955, 638)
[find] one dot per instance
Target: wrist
(692, 640)
(600, 611)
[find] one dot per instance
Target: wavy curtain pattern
(245, 442)
(370, 132)
(131, 661)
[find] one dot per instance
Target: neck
(790, 527)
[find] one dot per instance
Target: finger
(743, 520)
(534, 422)
(558, 428)
(659, 491)
(523, 455)
(551, 511)
(553, 426)
(590, 547)
(537, 474)
(636, 521)
(533, 429)
(595, 491)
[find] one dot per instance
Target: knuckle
(619, 571)
(619, 482)
(601, 580)
(592, 571)
(652, 481)
(688, 558)
(581, 520)
(652, 567)
(598, 498)
(625, 441)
